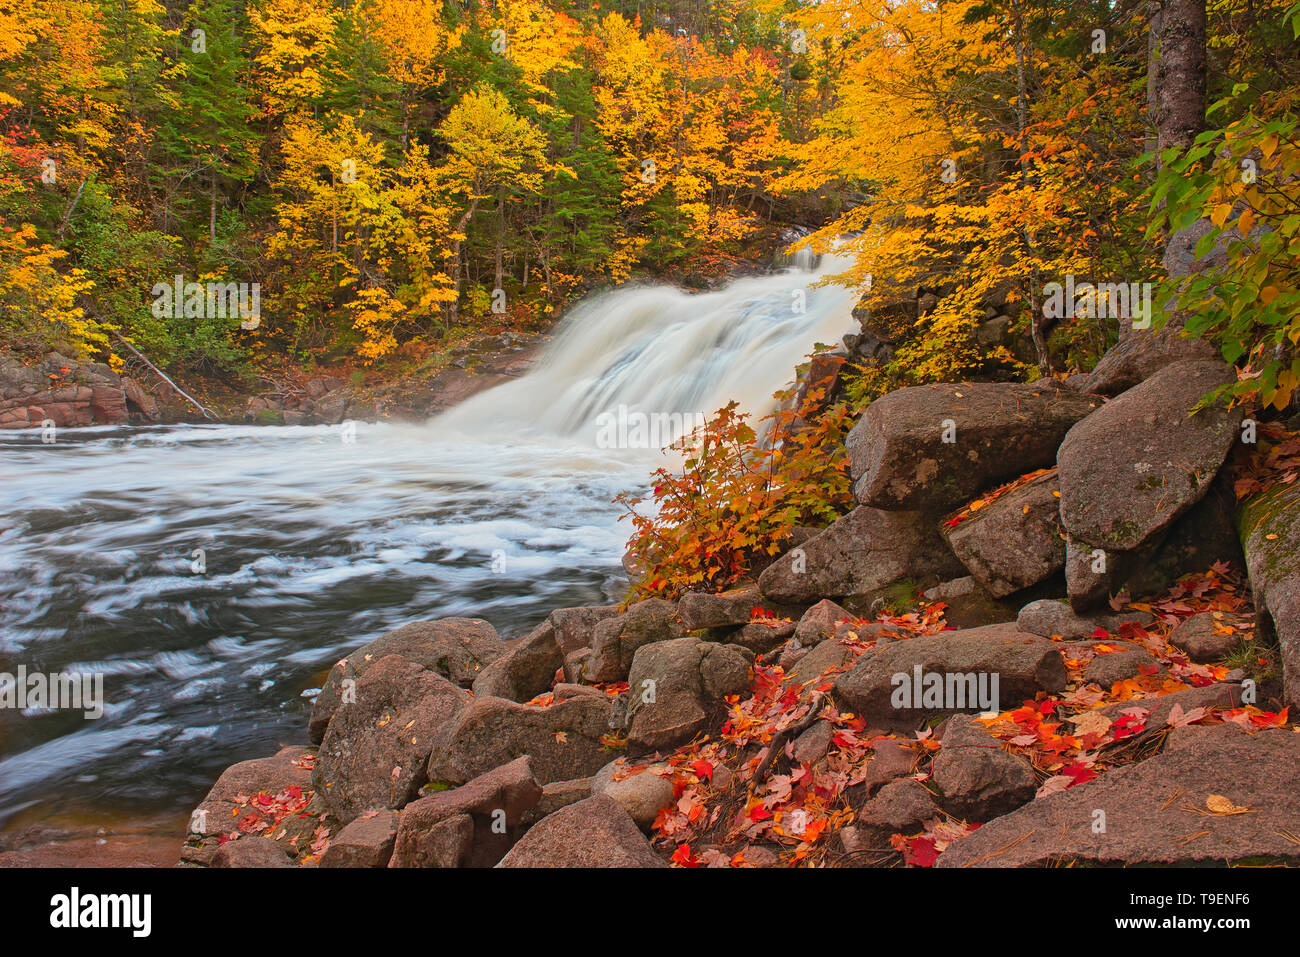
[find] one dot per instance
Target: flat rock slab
(456, 648)
(935, 446)
(865, 551)
(595, 832)
(1132, 467)
(882, 687)
(563, 739)
(1145, 806)
(1015, 541)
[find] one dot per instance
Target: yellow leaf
(1221, 805)
(1245, 221)
(1220, 214)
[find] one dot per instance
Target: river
(212, 573)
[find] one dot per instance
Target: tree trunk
(453, 270)
(1155, 15)
(212, 214)
(1180, 82)
(501, 242)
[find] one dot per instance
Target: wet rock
(860, 555)
(1144, 806)
(1015, 541)
(596, 832)
(900, 459)
(375, 748)
(459, 649)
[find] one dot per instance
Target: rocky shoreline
(1130, 708)
(67, 393)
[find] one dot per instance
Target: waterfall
(658, 351)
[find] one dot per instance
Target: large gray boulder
(858, 556)
(1015, 541)
(1145, 807)
(375, 747)
(934, 447)
(882, 687)
(527, 668)
(1134, 466)
(459, 649)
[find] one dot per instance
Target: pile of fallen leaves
(730, 811)
(1274, 459)
(733, 807)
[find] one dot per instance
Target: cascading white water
(499, 509)
(658, 350)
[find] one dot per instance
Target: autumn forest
(409, 171)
